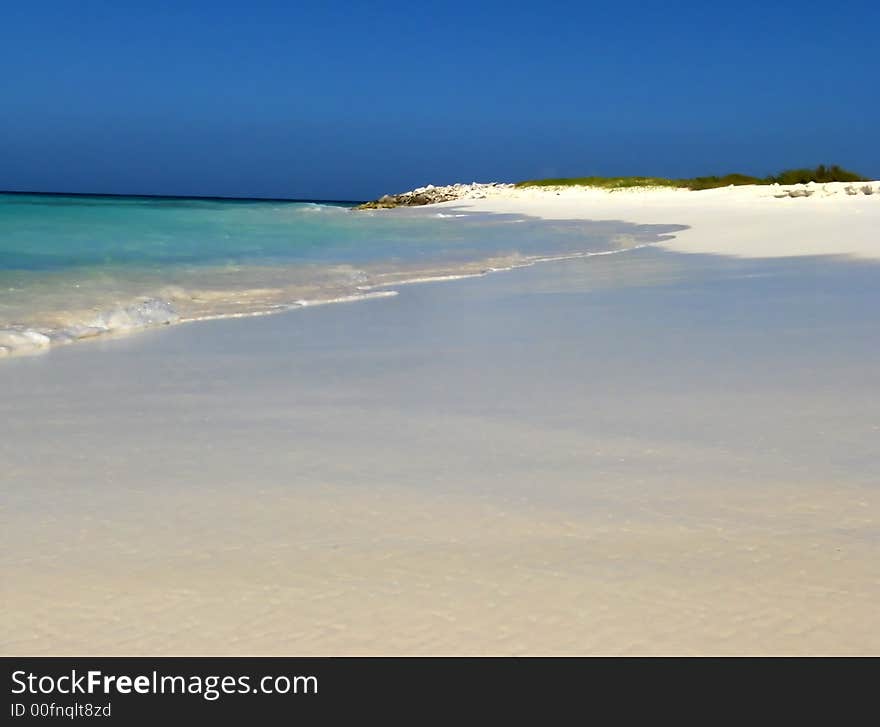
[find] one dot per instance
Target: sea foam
(82, 268)
(144, 313)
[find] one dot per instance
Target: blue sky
(351, 100)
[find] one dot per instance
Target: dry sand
(747, 221)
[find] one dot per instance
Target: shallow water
(638, 453)
(75, 267)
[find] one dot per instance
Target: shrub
(820, 174)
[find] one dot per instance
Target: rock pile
(825, 190)
(433, 195)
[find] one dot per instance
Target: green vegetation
(725, 181)
(604, 182)
(820, 174)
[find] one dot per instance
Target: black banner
(169, 690)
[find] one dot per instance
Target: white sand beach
(650, 452)
(747, 221)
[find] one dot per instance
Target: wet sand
(642, 453)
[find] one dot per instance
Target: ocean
(77, 267)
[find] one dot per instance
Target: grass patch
(820, 174)
(604, 182)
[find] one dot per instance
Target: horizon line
(180, 196)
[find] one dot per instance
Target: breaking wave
(188, 306)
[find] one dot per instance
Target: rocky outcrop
(433, 195)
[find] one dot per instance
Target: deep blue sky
(351, 100)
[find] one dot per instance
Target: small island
(432, 194)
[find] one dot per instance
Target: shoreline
(124, 301)
(747, 221)
(758, 221)
(42, 343)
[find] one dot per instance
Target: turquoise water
(73, 267)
